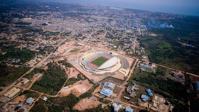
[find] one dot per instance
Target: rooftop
(106, 92)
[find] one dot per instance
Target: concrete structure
(111, 65)
(97, 63)
(12, 92)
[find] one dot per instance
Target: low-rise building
(107, 89)
(148, 67)
(129, 109)
(23, 81)
(12, 92)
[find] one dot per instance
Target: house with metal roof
(144, 97)
(107, 89)
(149, 92)
(128, 109)
(106, 92)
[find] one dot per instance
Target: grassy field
(99, 61)
(165, 48)
(162, 52)
(52, 80)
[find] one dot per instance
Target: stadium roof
(110, 63)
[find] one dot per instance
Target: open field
(77, 88)
(87, 103)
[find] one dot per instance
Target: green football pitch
(99, 61)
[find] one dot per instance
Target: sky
(184, 7)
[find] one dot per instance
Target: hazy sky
(187, 7)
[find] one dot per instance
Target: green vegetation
(57, 104)
(165, 48)
(16, 53)
(30, 94)
(40, 106)
(71, 81)
(100, 109)
(99, 61)
(9, 74)
(74, 80)
(61, 104)
(35, 71)
(49, 33)
(65, 103)
(161, 52)
(52, 80)
(65, 63)
(160, 82)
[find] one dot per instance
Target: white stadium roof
(110, 63)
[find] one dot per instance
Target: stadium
(102, 62)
